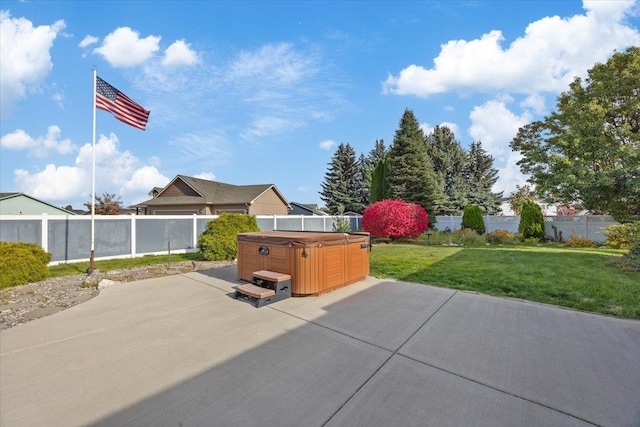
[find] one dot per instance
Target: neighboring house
(547, 209)
(305, 209)
(186, 195)
(23, 204)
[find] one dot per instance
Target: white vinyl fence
(67, 237)
(584, 226)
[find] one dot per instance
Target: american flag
(110, 99)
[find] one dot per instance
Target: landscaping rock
(21, 304)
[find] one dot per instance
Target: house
(186, 195)
(305, 209)
(23, 204)
(548, 209)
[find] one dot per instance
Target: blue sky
(263, 92)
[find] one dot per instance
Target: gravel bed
(21, 304)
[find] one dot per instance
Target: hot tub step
(267, 287)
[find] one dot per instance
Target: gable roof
(11, 195)
(212, 192)
(312, 209)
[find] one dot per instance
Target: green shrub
(467, 237)
(22, 263)
(577, 242)
(472, 219)
(623, 236)
(500, 237)
(219, 240)
(531, 222)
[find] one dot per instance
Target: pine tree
(362, 185)
(481, 176)
(343, 182)
(378, 153)
(410, 172)
(449, 160)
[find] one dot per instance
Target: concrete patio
(179, 350)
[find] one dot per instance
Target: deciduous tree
(588, 149)
(107, 204)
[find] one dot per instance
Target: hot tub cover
(303, 239)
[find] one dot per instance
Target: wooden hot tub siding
(315, 266)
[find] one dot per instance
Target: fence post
(195, 231)
(133, 236)
(44, 233)
(586, 227)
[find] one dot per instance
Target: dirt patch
(21, 304)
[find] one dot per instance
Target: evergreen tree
(343, 182)
(362, 184)
(379, 183)
(378, 153)
(410, 172)
(370, 162)
(481, 176)
(449, 160)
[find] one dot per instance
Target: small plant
(395, 219)
(623, 236)
(472, 219)
(577, 242)
(467, 237)
(22, 263)
(219, 240)
(500, 237)
(341, 224)
(531, 222)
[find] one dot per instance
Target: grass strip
(117, 264)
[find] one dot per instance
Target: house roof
(212, 192)
(10, 195)
(311, 208)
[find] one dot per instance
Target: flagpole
(93, 176)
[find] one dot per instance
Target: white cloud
(327, 144)
(117, 172)
(206, 175)
(495, 126)
(141, 181)
(277, 64)
(180, 53)
(267, 125)
(88, 40)
(40, 146)
(547, 57)
(534, 102)
(25, 59)
(55, 182)
(205, 150)
(427, 128)
(124, 47)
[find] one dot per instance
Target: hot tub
(317, 262)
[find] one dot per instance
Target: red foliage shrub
(395, 219)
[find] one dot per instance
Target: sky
(264, 92)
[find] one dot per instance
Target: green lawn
(582, 279)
